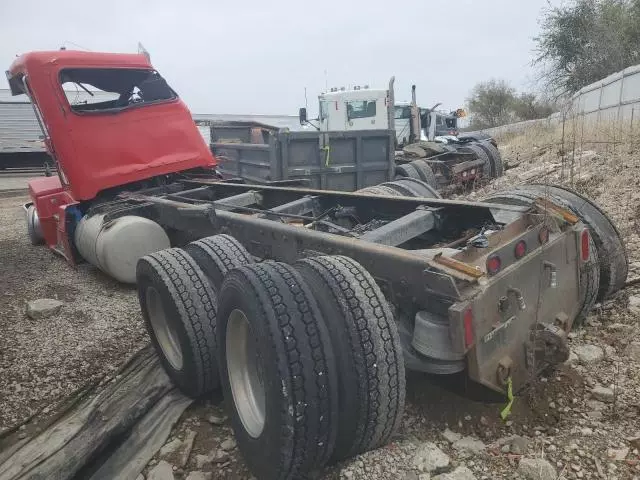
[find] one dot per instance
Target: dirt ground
(558, 420)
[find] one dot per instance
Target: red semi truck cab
(130, 127)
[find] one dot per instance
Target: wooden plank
(100, 423)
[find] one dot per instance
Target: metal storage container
(345, 161)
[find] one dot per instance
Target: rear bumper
(520, 309)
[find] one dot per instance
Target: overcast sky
(255, 56)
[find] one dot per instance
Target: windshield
(451, 122)
(324, 109)
(94, 90)
(402, 112)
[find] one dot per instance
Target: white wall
(614, 98)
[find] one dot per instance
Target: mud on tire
(296, 386)
(367, 349)
(179, 310)
(217, 255)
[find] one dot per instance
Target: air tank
(115, 246)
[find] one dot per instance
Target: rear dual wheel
(178, 293)
(308, 356)
(366, 343)
(278, 370)
(311, 363)
(179, 310)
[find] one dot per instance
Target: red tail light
(468, 328)
(493, 264)
(521, 249)
(584, 245)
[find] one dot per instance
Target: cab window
(96, 90)
(361, 109)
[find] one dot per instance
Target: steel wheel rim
(165, 334)
(244, 374)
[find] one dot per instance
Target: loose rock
(215, 420)
(429, 458)
(170, 447)
(450, 436)
(634, 303)
(217, 456)
(43, 308)
(197, 475)
(603, 394)
(589, 354)
(634, 351)
(162, 471)
(469, 445)
(460, 473)
(228, 444)
(536, 469)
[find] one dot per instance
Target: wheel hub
(165, 334)
(245, 374)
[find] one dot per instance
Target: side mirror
(303, 116)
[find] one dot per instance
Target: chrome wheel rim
(165, 334)
(245, 375)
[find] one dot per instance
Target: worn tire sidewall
(343, 353)
(185, 378)
(257, 451)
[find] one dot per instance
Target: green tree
(490, 104)
(587, 40)
(529, 106)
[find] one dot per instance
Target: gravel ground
(581, 420)
(45, 360)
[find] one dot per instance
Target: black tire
(400, 189)
(590, 270)
(497, 167)
(406, 170)
(487, 171)
(299, 377)
(367, 347)
(185, 304)
(382, 189)
(425, 172)
(612, 254)
(417, 187)
(217, 255)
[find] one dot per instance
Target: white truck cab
(358, 109)
(363, 108)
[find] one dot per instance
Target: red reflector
(468, 328)
(494, 264)
(584, 245)
(521, 249)
(543, 236)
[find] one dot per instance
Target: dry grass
(600, 161)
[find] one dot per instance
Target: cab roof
(72, 58)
